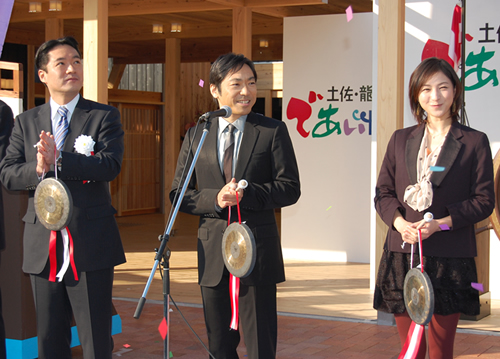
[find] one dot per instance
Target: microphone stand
(161, 254)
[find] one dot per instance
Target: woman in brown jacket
(445, 168)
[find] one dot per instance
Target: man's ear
(41, 75)
(213, 91)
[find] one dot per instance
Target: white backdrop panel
(327, 79)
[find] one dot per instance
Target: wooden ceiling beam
(192, 50)
(150, 7)
(274, 3)
(269, 27)
(278, 11)
(230, 3)
(25, 37)
(143, 33)
(332, 8)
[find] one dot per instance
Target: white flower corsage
(84, 145)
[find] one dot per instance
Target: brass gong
(238, 250)
(418, 296)
(53, 204)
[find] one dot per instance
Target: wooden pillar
(54, 29)
(242, 31)
(171, 117)
(267, 94)
(95, 50)
(390, 87)
(268, 100)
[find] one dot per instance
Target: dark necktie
(62, 127)
(227, 166)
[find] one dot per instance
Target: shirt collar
(239, 123)
(54, 106)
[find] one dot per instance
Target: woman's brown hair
(424, 71)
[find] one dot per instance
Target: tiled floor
(325, 308)
(299, 337)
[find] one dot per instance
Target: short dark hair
(226, 64)
(424, 71)
(42, 54)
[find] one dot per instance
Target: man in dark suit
(6, 123)
(262, 155)
(35, 153)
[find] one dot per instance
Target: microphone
(225, 112)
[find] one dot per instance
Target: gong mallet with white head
(242, 184)
(428, 217)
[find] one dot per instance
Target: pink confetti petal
(126, 345)
(444, 227)
(478, 286)
(201, 83)
(348, 12)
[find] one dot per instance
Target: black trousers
(90, 302)
(257, 318)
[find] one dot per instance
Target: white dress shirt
(239, 125)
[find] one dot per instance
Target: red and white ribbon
(234, 292)
(234, 282)
(68, 255)
(416, 332)
(413, 342)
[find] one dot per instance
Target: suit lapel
(78, 121)
(250, 136)
(44, 120)
(449, 152)
(411, 152)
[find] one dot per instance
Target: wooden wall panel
(138, 185)
(142, 77)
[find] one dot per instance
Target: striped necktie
(228, 153)
(62, 127)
